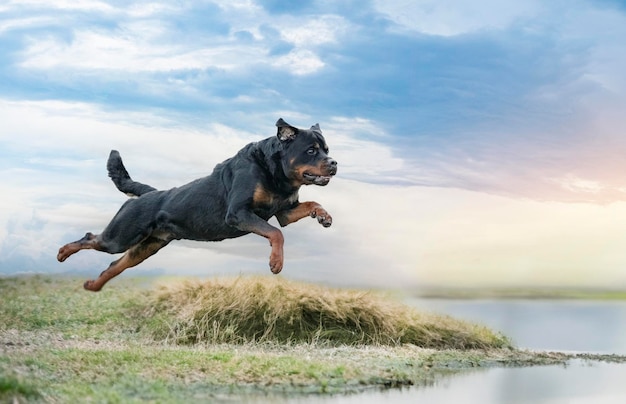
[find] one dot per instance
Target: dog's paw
(66, 251)
(323, 217)
(276, 266)
(62, 254)
(276, 263)
(90, 285)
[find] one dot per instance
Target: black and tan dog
(262, 180)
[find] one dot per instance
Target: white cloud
(143, 42)
(576, 184)
(239, 6)
(149, 9)
(457, 237)
(137, 47)
(150, 142)
(22, 23)
(80, 5)
(299, 62)
(455, 17)
(140, 9)
(302, 60)
(138, 51)
(321, 30)
(354, 142)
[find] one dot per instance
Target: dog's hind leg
(90, 241)
(135, 255)
(130, 225)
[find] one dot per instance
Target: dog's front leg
(302, 210)
(245, 220)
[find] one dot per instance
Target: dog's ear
(316, 128)
(285, 131)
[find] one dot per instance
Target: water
(581, 382)
(561, 325)
(558, 325)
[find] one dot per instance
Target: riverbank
(61, 344)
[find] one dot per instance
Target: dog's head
(305, 155)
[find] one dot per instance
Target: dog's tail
(122, 180)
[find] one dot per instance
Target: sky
(480, 143)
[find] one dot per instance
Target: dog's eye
(312, 151)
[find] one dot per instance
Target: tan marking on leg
(277, 242)
(304, 209)
(135, 255)
(89, 241)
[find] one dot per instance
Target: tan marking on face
(298, 173)
(310, 169)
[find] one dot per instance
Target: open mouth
(316, 179)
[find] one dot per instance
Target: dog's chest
(266, 203)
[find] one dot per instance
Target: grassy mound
(271, 309)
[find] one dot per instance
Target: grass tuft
(16, 390)
(271, 309)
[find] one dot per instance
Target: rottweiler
(243, 192)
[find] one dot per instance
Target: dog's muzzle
(329, 168)
(332, 166)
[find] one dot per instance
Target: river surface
(546, 325)
(557, 325)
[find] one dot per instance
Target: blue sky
(479, 142)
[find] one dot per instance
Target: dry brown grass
(271, 309)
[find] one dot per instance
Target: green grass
(61, 304)
(12, 386)
(205, 341)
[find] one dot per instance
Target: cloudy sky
(479, 142)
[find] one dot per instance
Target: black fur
(122, 180)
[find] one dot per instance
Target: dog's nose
(332, 166)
